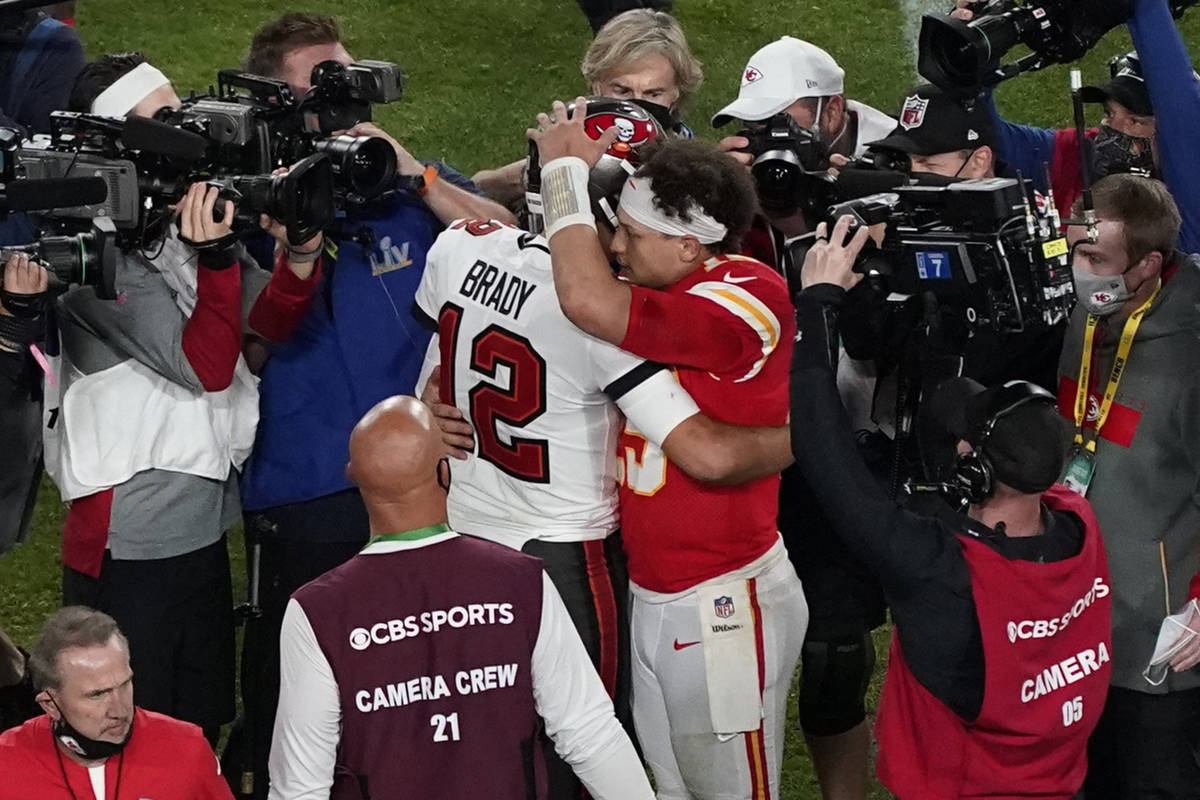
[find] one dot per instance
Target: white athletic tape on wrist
(565, 199)
(129, 90)
(637, 200)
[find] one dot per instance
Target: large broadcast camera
(236, 138)
(958, 55)
(978, 247)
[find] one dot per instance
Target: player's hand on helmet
(831, 258)
(556, 136)
(457, 434)
(405, 163)
(736, 147)
(196, 222)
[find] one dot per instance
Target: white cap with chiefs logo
(779, 75)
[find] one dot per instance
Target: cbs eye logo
(360, 639)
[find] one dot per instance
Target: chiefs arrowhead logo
(913, 113)
(631, 132)
(1093, 408)
(751, 75)
(1103, 297)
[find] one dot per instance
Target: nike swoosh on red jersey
(730, 279)
(681, 646)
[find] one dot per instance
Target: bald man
(430, 660)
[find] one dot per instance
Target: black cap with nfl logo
(932, 121)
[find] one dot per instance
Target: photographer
(357, 345)
(1158, 75)
(968, 708)
(156, 411)
(800, 80)
(22, 323)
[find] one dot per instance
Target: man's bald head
(394, 449)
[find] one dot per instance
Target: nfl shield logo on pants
(723, 606)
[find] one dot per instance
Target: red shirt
(728, 329)
(1047, 644)
(165, 759)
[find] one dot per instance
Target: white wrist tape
(565, 199)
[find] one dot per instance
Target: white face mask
(1173, 636)
(1101, 295)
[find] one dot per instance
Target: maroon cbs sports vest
(431, 649)
(1047, 646)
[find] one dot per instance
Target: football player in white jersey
(545, 399)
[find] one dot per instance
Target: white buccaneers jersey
(539, 392)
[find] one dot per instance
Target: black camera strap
(17, 333)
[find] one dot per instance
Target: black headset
(974, 476)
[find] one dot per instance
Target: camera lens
(366, 165)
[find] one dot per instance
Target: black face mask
(1116, 152)
(84, 746)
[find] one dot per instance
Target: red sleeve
(212, 337)
(1194, 587)
(283, 303)
(85, 532)
(690, 331)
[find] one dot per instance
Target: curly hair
(688, 171)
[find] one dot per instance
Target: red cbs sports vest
(1047, 645)
(431, 649)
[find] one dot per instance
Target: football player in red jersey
(718, 612)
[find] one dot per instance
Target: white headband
(129, 90)
(637, 200)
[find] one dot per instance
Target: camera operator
(973, 705)
(638, 55)
(357, 345)
(157, 411)
(944, 136)
(1129, 382)
(1158, 75)
(22, 323)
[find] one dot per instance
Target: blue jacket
(1173, 90)
(358, 344)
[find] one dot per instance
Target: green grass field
(478, 71)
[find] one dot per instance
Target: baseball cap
(1126, 87)
(1027, 446)
(932, 121)
(779, 75)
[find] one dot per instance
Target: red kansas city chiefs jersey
(727, 329)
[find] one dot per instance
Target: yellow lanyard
(1114, 378)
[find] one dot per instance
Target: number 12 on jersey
(489, 402)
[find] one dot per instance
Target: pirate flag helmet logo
(636, 127)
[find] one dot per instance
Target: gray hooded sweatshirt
(1146, 486)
